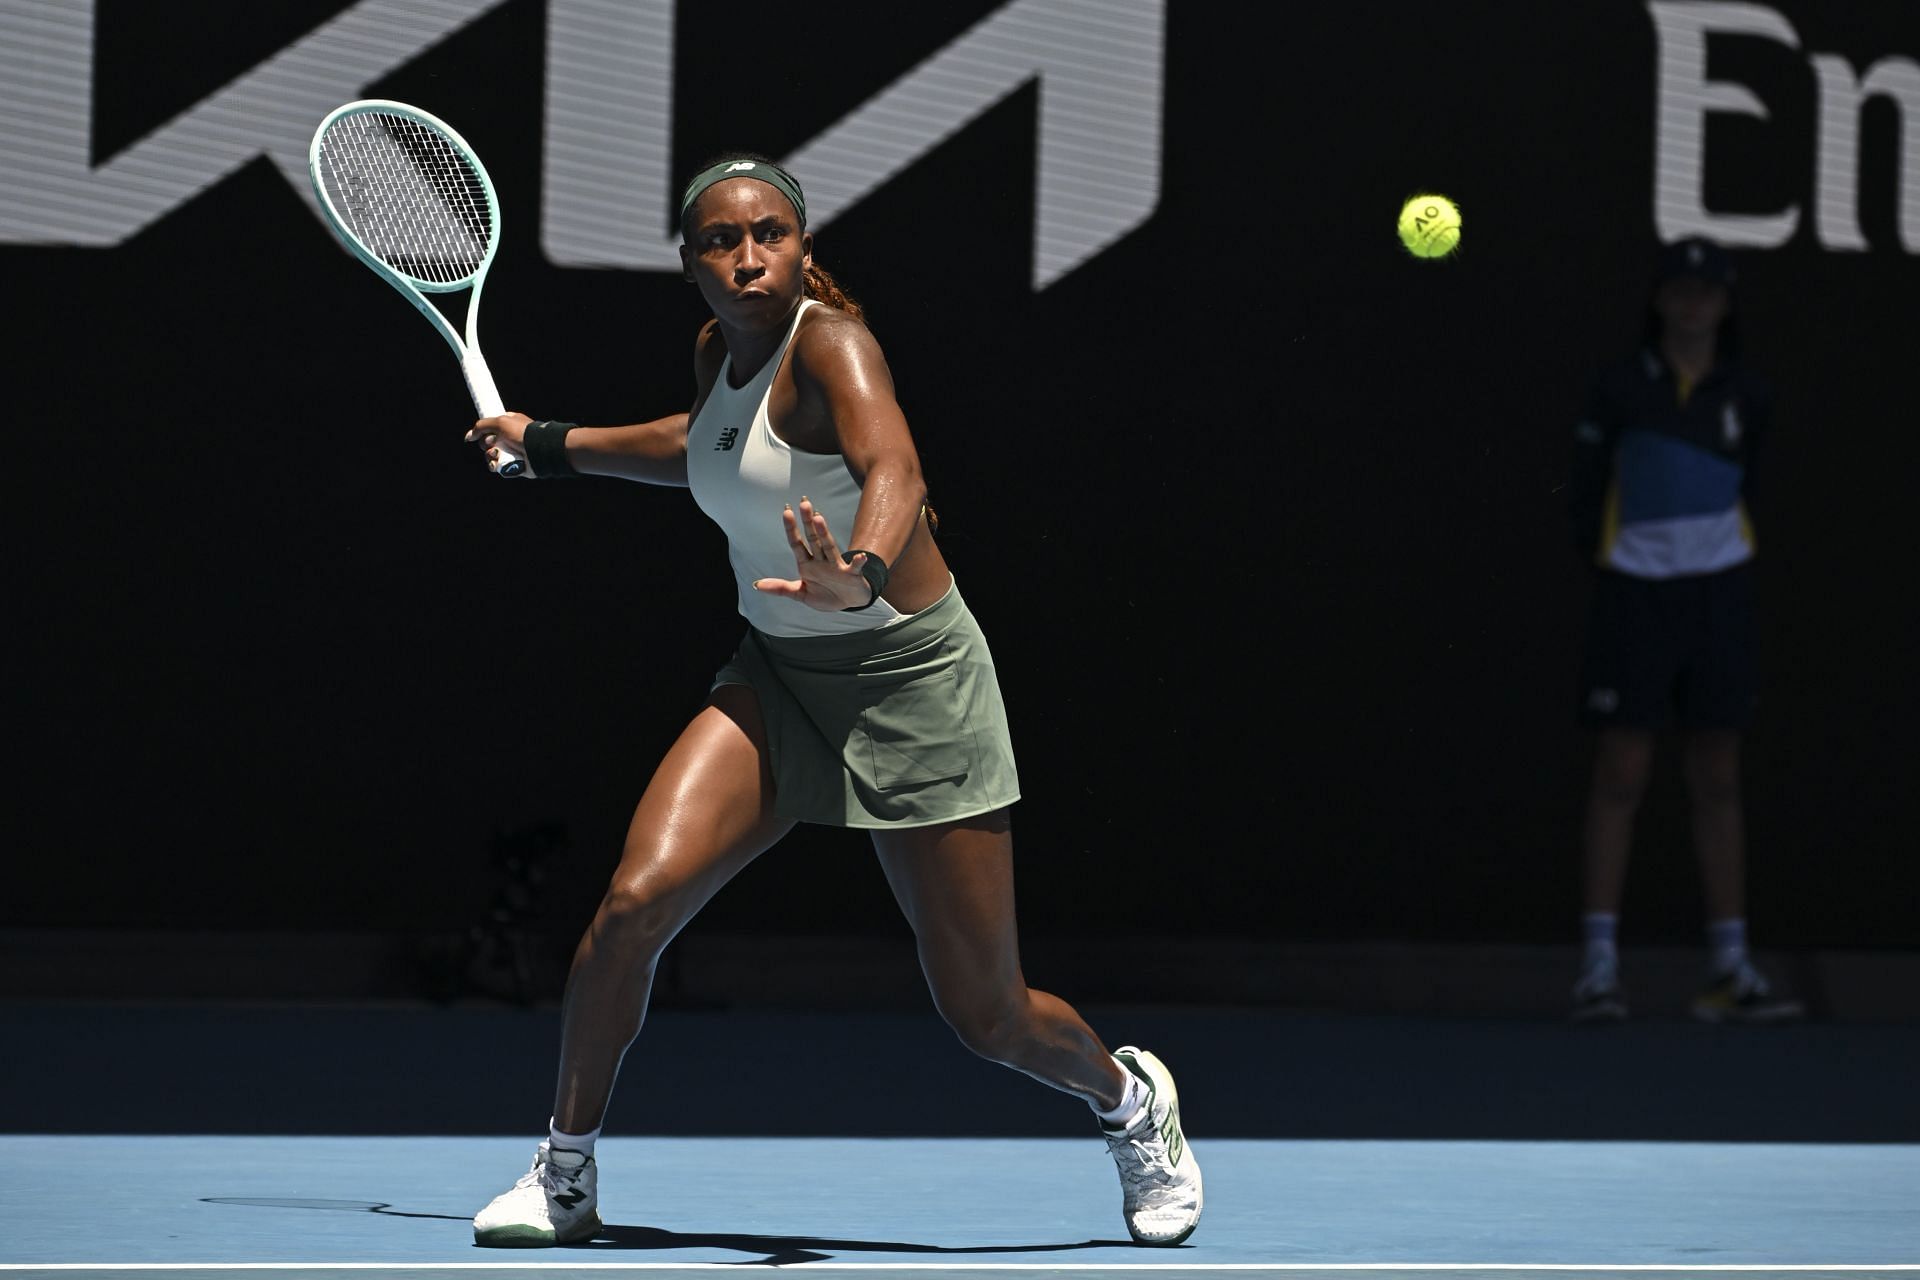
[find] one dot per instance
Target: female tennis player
(862, 695)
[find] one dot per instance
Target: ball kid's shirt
(1663, 473)
(741, 474)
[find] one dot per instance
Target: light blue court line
(336, 1206)
(1117, 1268)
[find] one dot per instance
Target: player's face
(747, 252)
(1691, 308)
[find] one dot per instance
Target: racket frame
(473, 366)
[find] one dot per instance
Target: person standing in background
(1662, 499)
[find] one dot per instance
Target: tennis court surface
(232, 1139)
(911, 1206)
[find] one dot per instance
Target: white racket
(409, 197)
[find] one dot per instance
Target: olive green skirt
(901, 726)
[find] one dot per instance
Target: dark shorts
(1671, 652)
(897, 727)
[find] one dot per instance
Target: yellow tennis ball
(1430, 226)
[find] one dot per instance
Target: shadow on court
(770, 1250)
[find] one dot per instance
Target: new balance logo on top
(725, 443)
(739, 165)
(1170, 1134)
(569, 1198)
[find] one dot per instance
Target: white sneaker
(1598, 996)
(1745, 996)
(1159, 1179)
(557, 1201)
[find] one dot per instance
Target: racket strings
(410, 195)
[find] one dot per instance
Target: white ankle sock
(1727, 941)
(1599, 931)
(581, 1142)
(1131, 1101)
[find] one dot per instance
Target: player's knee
(990, 1029)
(635, 921)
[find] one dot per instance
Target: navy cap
(1695, 257)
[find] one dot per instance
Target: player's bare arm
(652, 452)
(844, 402)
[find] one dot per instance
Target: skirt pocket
(915, 730)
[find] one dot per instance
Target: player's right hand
(502, 439)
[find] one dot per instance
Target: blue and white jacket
(1663, 473)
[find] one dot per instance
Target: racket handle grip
(486, 398)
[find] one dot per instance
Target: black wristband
(874, 570)
(546, 446)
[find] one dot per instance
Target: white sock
(1727, 941)
(581, 1142)
(1134, 1098)
(1600, 932)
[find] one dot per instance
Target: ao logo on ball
(1430, 226)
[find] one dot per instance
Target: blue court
(214, 1139)
(162, 1205)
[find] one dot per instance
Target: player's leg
(706, 814)
(954, 882)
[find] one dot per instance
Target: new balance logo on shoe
(1159, 1177)
(554, 1202)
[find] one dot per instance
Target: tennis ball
(1430, 226)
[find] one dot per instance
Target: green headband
(763, 170)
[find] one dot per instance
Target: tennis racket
(409, 197)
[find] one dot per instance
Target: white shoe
(1745, 996)
(557, 1201)
(1159, 1178)
(1598, 996)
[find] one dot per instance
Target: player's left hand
(826, 582)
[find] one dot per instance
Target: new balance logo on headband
(739, 164)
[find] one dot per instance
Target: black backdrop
(1263, 517)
